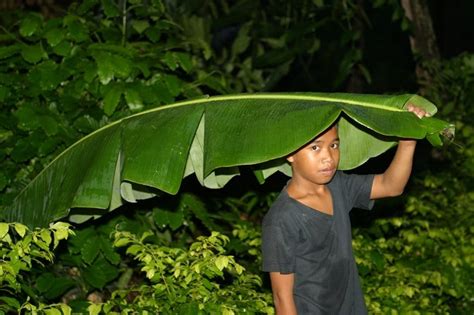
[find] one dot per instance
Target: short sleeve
(279, 242)
(358, 189)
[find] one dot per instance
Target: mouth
(328, 171)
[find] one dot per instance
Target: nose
(327, 156)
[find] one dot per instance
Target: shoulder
(342, 178)
(282, 210)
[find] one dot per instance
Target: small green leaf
(173, 84)
(100, 273)
(318, 3)
(140, 26)
(49, 125)
(23, 150)
(28, 119)
(134, 249)
(52, 311)
(242, 41)
(86, 5)
(10, 302)
(377, 259)
(66, 309)
(47, 75)
(108, 250)
(30, 25)
(55, 36)
(111, 65)
(8, 51)
(121, 242)
(221, 262)
(63, 48)
(20, 229)
(133, 99)
(110, 8)
(46, 236)
(185, 61)
(3, 229)
(112, 98)
(3, 182)
(90, 250)
(94, 309)
(77, 30)
(33, 53)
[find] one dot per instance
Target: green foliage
(453, 85)
(22, 250)
(424, 264)
(63, 78)
(199, 280)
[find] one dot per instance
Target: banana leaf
(151, 152)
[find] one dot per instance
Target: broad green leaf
(212, 138)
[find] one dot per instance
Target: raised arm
(282, 288)
(393, 181)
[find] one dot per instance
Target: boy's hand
(418, 111)
(392, 182)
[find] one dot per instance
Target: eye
(314, 148)
(335, 145)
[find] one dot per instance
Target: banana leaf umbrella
(137, 156)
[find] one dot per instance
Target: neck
(301, 187)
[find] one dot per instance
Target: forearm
(397, 174)
(284, 304)
(282, 287)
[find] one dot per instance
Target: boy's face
(317, 161)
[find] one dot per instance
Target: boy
(306, 235)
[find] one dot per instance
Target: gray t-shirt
(317, 247)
